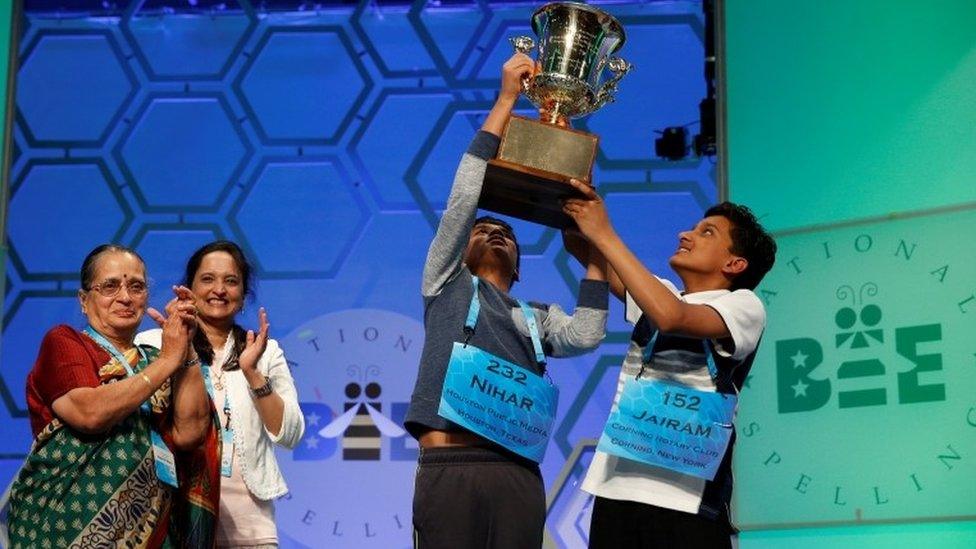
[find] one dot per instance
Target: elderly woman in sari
(115, 424)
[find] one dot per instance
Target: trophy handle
(523, 44)
(619, 67)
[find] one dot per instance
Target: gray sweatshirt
(501, 329)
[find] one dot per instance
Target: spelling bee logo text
(351, 476)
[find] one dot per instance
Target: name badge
(498, 400)
(226, 452)
(165, 462)
(671, 426)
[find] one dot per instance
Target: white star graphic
(313, 418)
(799, 389)
(799, 359)
(312, 442)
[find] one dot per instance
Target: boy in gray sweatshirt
(470, 491)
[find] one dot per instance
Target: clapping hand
(182, 306)
(179, 324)
(255, 344)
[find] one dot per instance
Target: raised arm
(578, 247)
(191, 408)
(581, 332)
(292, 425)
(190, 403)
(279, 411)
(664, 309)
(446, 252)
(97, 409)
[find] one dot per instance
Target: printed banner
(860, 406)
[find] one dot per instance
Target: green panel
(6, 38)
(944, 535)
(6, 29)
(860, 405)
(6, 17)
(840, 109)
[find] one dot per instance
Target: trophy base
(530, 177)
(510, 189)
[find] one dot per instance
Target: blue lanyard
(648, 354)
(475, 308)
(540, 356)
(111, 350)
(210, 391)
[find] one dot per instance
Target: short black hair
(749, 240)
(491, 220)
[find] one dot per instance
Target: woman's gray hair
(91, 262)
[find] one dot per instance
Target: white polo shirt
(622, 479)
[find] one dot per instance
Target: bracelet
(263, 390)
(192, 362)
(146, 378)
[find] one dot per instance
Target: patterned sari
(78, 490)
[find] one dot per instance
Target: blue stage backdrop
(325, 143)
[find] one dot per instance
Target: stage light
(705, 142)
(673, 143)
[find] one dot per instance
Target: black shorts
(616, 524)
(478, 497)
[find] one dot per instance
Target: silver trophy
(537, 158)
(575, 46)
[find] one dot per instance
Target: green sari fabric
(78, 490)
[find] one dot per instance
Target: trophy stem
(552, 113)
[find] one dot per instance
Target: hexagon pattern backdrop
(325, 142)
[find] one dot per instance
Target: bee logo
(861, 366)
(355, 368)
(362, 424)
(870, 316)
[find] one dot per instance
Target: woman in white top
(252, 390)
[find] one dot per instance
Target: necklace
(218, 373)
(218, 378)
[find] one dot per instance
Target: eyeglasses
(111, 287)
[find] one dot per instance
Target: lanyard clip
(640, 372)
(468, 332)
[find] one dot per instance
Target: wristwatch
(263, 390)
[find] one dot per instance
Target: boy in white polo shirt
(702, 338)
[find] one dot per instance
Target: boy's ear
(735, 266)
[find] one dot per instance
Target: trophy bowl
(575, 44)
